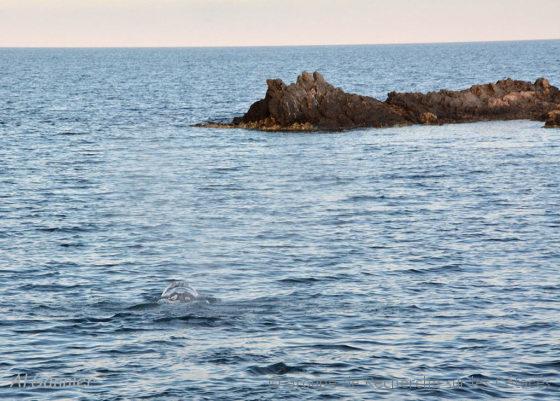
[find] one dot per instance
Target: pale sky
(107, 23)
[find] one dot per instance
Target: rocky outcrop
(318, 105)
(503, 100)
(313, 104)
(553, 119)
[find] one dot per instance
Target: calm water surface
(371, 255)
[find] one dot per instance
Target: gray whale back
(179, 291)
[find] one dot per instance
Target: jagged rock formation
(313, 104)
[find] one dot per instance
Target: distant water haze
(150, 23)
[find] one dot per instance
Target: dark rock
(504, 100)
(553, 119)
(313, 104)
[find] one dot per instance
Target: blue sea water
(331, 265)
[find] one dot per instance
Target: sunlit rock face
(504, 100)
(553, 119)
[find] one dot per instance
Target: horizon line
(283, 45)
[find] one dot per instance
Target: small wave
(72, 245)
(73, 229)
(536, 326)
(439, 269)
(364, 198)
(505, 239)
(339, 347)
(143, 306)
(555, 364)
(275, 369)
(72, 133)
(197, 320)
(226, 169)
(90, 319)
(299, 280)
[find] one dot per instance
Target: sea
(414, 263)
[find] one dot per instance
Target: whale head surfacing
(179, 291)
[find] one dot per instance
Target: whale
(179, 291)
